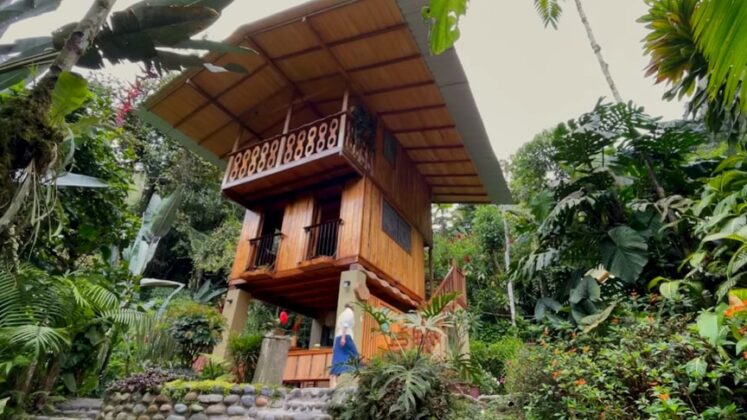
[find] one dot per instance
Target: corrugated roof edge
(449, 76)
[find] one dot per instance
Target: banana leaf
(13, 11)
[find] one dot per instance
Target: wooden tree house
(337, 140)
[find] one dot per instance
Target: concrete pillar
(234, 311)
(349, 281)
(272, 358)
(316, 332)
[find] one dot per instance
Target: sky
(525, 77)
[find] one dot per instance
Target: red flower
(283, 318)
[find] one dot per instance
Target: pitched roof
(307, 56)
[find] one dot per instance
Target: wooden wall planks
(249, 230)
(298, 214)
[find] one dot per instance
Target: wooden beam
(282, 74)
(455, 185)
(420, 129)
(364, 68)
(449, 175)
(221, 93)
(399, 87)
(220, 106)
(429, 162)
(413, 109)
(434, 147)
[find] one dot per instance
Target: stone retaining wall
(240, 402)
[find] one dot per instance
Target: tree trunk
(507, 258)
(78, 42)
(598, 52)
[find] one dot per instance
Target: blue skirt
(343, 357)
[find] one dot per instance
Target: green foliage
(196, 328)
(443, 17)
(721, 34)
(493, 356)
(144, 32)
(401, 386)
(640, 366)
(533, 168)
(151, 380)
(244, 350)
(214, 368)
(549, 11)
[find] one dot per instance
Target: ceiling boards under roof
(308, 54)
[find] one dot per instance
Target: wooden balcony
(321, 150)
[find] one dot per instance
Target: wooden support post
(343, 117)
(234, 311)
(431, 275)
(286, 127)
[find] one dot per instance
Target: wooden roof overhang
(308, 56)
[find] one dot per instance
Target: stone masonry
(241, 402)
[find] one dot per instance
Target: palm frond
(37, 338)
(721, 34)
(549, 11)
(124, 317)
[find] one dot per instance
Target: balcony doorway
(323, 234)
(265, 246)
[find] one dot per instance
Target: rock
(219, 417)
(266, 391)
(126, 396)
(261, 401)
(252, 413)
(196, 408)
(143, 417)
(236, 390)
(121, 416)
(235, 410)
(217, 389)
(147, 398)
(158, 417)
(127, 407)
(152, 409)
(210, 398)
(180, 408)
(191, 397)
(109, 416)
(161, 399)
(166, 408)
(138, 409)
(199, 416)
(248, 400)
(175, 417)
(231, 399)
(296, 393)
(108, 408)
(249, 390)
(216, 409)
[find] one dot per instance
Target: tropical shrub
(244, 350)
(638, 366)
(405, 383)
(151, 380)
(401, 385)
(216, 368)
(493, 356)
(196, 328)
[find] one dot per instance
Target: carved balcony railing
(332, 135)
(264, 251)
(322, 239)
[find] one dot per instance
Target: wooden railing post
(343, 118)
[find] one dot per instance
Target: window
(390, 148)
(396, 227)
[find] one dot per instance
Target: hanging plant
(364, 127)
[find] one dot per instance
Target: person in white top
(344, 352)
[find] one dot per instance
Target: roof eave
(451, 80)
